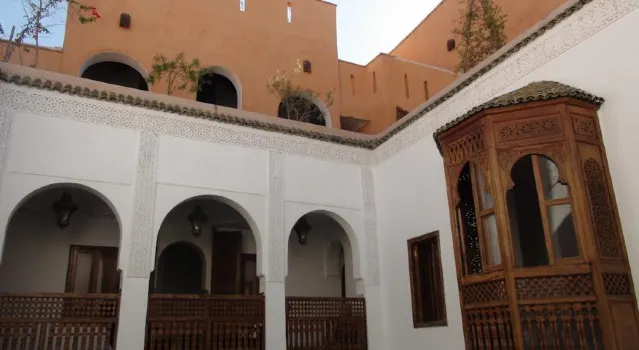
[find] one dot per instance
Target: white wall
(603, 64)
(313, 269)
(37, 251)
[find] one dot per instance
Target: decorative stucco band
(276, 218)
(142, 232)
(370, 226)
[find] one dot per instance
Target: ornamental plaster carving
(5, 132)
(142, 234)
(568, 33)
(276, 217)
(163, 123)
(370, 226)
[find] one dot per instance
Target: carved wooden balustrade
(325, 323)
(540, 255)
(59, 321)
(205, 322)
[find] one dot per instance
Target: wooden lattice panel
(205, 322)
(489, 328)
(563, 286)
(527, 129)
(326, 323)
(602, 212)
(466, 146)
(584, 126)
(617, 284)
(485, 292)
(58, 321)
(561, 326)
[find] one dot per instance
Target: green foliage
(296, 100)
(35, 12)
(178, 72)
(481, 32)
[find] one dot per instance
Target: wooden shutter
(226, 255)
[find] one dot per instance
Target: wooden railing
(205, 322)
(58, 321)
(325, 323)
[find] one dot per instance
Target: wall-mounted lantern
(64, 208)
(302, 228)
(197, 219)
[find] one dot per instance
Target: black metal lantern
(63, 209)
(197, 219)
(302, 228)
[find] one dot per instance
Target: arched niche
(220, 86)
(181, 269)
(115, 68)
(316, 262)
(227, 236)
(70, 235)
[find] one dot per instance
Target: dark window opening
(427, 289)
(116, 73)
(301, 109)
(218, 90)
(538, 218)
(307, 66)
(180, 270)
(467, 221)
(400, 113)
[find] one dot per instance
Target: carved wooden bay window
(541, 261)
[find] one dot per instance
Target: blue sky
(364, 27)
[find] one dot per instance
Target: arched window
(476, 221)
(218, 90)
(116, 73)
(301, 109)
(540, 212)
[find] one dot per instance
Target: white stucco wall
(37, 251)
(601, 63)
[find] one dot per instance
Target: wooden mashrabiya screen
(325, 323)
(541, 261)
(59, 321)
(205, 322)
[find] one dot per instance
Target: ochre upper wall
(427, 42)
(253, 44)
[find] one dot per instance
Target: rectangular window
(92, 270)
(289, 11)
(426, 282)
(374, 83)
(406, 86)
(426, 93)
(242, 5)
(353, 84)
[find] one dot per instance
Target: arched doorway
(302, 109)
(60, 251)
(215, 88)
(116, 73)
(205, 273)
(181, 269)
(321, 288)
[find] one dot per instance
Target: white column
(274, 287)
(135, 284)
(132, 319)
(372, 293)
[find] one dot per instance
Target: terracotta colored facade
(249, 46)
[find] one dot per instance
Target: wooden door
(92, 270)
(226, 255)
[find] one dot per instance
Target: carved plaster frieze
(54, 104)
(593, 17)
(276, 218)
(142, 233)
(370, 226)
(5, 133)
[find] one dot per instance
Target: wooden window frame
(437, 280)
(545, 204)
(485, 248)
(93, 277)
